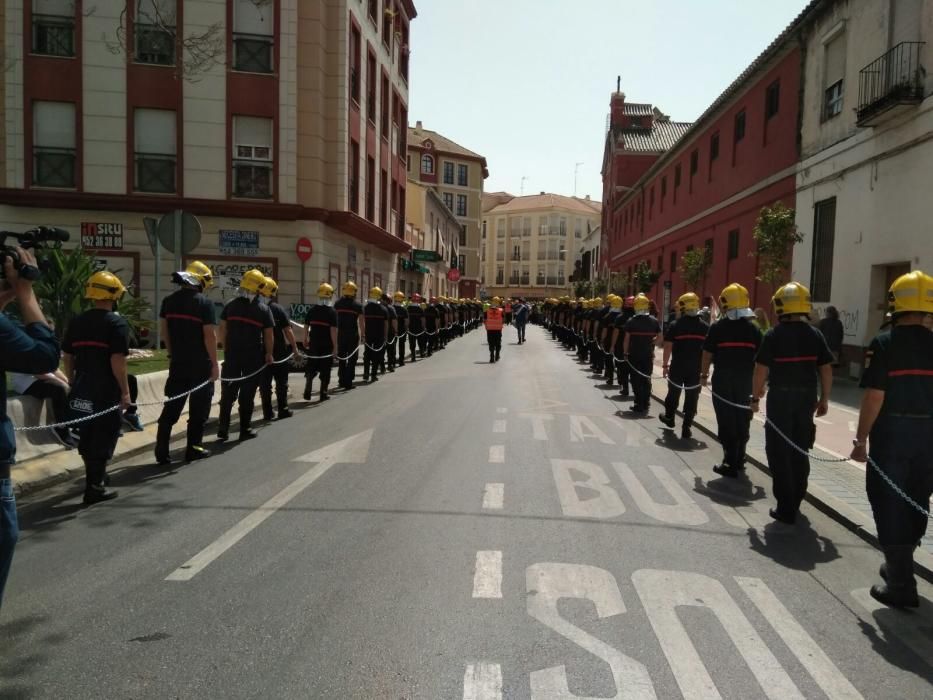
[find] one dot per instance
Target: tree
(694, 266)
(644, 278)
(583, 288)
(600, 287)
(775, 235)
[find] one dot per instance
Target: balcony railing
(252, 53)
(53, 167)
(53, 35)
(893, 80)
(155, 44)
(155, 173)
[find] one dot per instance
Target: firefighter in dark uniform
(431, 318)
(94, 351)
(320, 340)
(189, 331)
(605, 336)
(579, 313)
(443, 323)
(401, 327)
(622, 369)
(600, 312)
(392, 341)
(683, 354)
(246, 335)
(638, 349)
(896, 418)
(792, 357)
(416, 335)
(349, 331)
(284, 345)
(376, 330)
(732, 344)
(461, 317)
(493, 320)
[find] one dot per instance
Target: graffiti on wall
(850, 320)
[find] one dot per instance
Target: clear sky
(526, 83)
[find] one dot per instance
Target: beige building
(530, 244)
(457, 174)
(292, 125)
(439, 232)
(866, 159)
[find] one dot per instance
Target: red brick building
(669, 187)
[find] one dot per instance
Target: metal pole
(158, 293)
(178, 215)
(303, 266)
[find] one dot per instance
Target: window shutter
(155, 131)
(253, 18)
(835, 60)
(253, 131)
(54, 124)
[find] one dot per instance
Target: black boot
(95, 475)
(324, 395)
(307, 393)
(162, 442)
(900, 587)
(196, 452)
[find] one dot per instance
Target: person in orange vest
(508, 312)
(493, 320)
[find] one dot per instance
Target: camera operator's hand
(22, 288)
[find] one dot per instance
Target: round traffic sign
(453, 275)
(303, 249)
(190, 231)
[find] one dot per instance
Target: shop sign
(239, 242)
(102, 236)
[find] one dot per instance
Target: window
(408, 163)
(252, 164)
(53, 27)
(54, 153)
(155, 32)
(156, 147)
(462, 236)
(694, 162)
(373, 11)
(355, 47)
(673, 261)
(772, 99)
(385, 111)
(371, 189)
(463, 175)
(834, 61)
(384, 204)
(449, 201)
(739, 130)
(387, 16)
(713, 147)
(563, 227)
(516, 252)
(461, 259)
(484, 229)
(733, 252)
(370, 87)
(448, 173)
(461, 205)
(824, 234)
(676, 181)
(526, 227)
(427, 164)
(578, 228)
(253, 29)
(833, 100)
(663, 191)
(708, 245)
(500, 228)
(650, 203)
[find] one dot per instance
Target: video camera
(36, 239)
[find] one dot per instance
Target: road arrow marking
(482, 682)
(353, 450)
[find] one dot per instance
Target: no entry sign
(303, 249)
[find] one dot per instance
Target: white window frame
(254, 156)
(427, 160)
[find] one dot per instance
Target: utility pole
(576, 170)
(522, 188)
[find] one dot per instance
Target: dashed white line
(852, 427)
(497, 454)
(498, 426)
(482, 682)
(487, 577)
(493, 496)
(822, 420)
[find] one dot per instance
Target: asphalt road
(458, 530)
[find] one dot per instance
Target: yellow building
(434, 230)
(456, 174)
(530, 244)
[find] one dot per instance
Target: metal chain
(897, 489)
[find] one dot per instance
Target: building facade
(531, 243)
(867, 159)
(457, 175)
(439, 232)
(268, 120)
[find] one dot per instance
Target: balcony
(890, 84)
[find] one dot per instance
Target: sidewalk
(836, 489)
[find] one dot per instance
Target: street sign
(238, 242)
(424, 255)
(453, 275)
(186, 224)
(303, 249)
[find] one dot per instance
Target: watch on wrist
(858, 443)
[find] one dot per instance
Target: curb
(829, 505)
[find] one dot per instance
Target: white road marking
(493, 496)
(852, 426)
(498, 426)
(502, 410)
(662, 592)
(497, 454)
(632, 434)
(539, 432)
(546, 584)
(487, 576)
(582, 428)
(907, 627)
(811, 657)
(605, 504)
(684, 511)
(353, 450)
(482, 682)
(822, 420)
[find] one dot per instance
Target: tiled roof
(662, 136)
(547, 201)
(417, 136)
(636, 109)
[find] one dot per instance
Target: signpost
(179, 233)
(152, 233)
(304, 250)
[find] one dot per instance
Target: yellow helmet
(399, 296)
(348, 289)
(270, 288)
(642, 304)
(104, 286)
(793, 298)
(735, 296)
(688, 304)
(202, 272)
(375, 294)
(496, 301)
(912, 292)
(325, 291)
(598, 300)
(253, 281)
(615, 301)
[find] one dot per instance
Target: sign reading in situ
(419, 255)
(239, 242)
(102, 236)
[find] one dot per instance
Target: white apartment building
(269, 120)
(866, 167)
